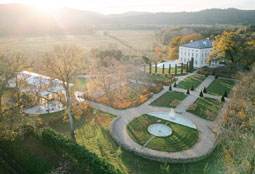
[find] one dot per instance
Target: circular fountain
(160, 130)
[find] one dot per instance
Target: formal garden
(182, 137)
(93, 133)
(169, 99)
(190, 82)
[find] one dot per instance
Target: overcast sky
(120, 6)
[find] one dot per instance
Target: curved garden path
(206, 141)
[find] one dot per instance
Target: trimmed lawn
(159, 78)
(218, 87)
(169, 99)
(160, 70)
(206, 108)
(194, 80)
(80, 84)
(182, 137)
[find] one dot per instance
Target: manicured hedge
(58, 142)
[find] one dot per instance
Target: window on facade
(196, 62)
(184, 59)
(202, 54)
(188, 54)
(192, 54)
(196, 55)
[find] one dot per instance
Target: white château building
(200, 51)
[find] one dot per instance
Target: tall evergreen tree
(225, 94)
(163, 70)
(156, 68)
(187, 67)
(182, 68)
(222, 98)
(175, 69)
(169, 70)
(150, 67)
(201, 94)
(170, 88)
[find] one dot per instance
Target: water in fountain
(171, 114)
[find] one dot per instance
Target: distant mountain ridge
(23, 19)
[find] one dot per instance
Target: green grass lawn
(206, 108)
(159, 78)
(80, 84)
(182, 137)
(194, 80)
(94, 134)
(160, 70)
(168, 99)
(218, 86)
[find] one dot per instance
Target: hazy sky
(120, 6)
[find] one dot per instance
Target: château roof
(199, 44)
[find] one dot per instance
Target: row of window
(196, 55)
(189, 49)
(195, 62)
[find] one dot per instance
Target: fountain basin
(160, 130)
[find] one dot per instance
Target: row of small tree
(189, 68)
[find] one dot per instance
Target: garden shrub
(78, 152)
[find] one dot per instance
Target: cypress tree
(192, 88)
(225, 94)
(182, 68)
(187, 67)
(222, 98)
(150, 67)
(175, 69)
(163, 70)
(201, 94)
(169, 70)
(187, 91)
(156, 68)
(216, 76)
(191, 64)
(205, 91)
(170, 88)
(175, 85)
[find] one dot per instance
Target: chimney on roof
(191, 40)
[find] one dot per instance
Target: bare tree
(11, 63)
(64, 63)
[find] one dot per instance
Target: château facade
(200, 51)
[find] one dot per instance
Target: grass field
(80, 84)
(218, 86)
(194, 80)
(206, 108)
(167, 99)
(182, 137)
(139, 39)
